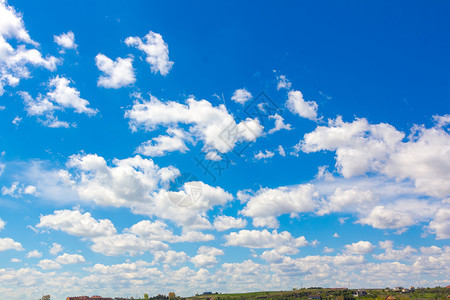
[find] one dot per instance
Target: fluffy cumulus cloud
(48, 264)
(283, 83)
(222, 223)
(76, 223)
(69, 259)
(66, 40)
(140, 185)
(265, 205)
(206, 257)
(10, 244)
(406, 253)
(362, 147)
(55, 249)
(264, 155)
(241, 96)
(352, 199)
(16, 57)
(297, 105)
(264, 239)
(213, 125)
(156, 50)
(170, 257)
(382, 218)
(116, 74)
(441, 224)
(141, 237)
(34, 254)
(2, 224)
(279, 124)
(159, 146)
(17, 190)
(361, 247)
(61, 96)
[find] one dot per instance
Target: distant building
(360, 293)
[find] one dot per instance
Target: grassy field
(333, 294)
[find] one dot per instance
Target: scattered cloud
(34, 254)
(297, 105)
(279, 124)
(264, 239)
(10, 244)
(283, 83)
(222, 223)
(116, 74)
(156, 49)
(361, 247)
(264, 155)
(66, 40)
(214, 125)
(241, 96)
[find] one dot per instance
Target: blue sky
(151, 147)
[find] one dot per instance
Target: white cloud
(264, 239)
(206, 257)
(328, 250)
(361, 247)
(66, 40)
(336, 235)
(14, 62)
(212, 155)
(241, 96)
(163, 144)
(129, 180)
(76, 223)
(425, 158)
(34, 254)
(10, 244)
(279, 124)
(17, 190)
(55, 249)
(48, 264)
(348, 200)
(125, 243)
(222, 223)
(16, 121)
(297, 105)
(431, 250)
(382, 218)
(267, 204)
(156, 49)
(140, 185)
(117, 74)
(69, 259)
(264, 155)
(283, 83)
(392, 254)
(442, 121)
(362, 147)
(15, 260)
(67, 97)
(158, 230)
(441, 224)
(2, 224)
(281, 151)
(60, 97)
(170, 257)
(213, 125)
